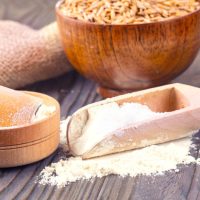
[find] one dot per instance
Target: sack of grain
(28, 56)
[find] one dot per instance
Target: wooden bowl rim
(38, 121)
(57, 8)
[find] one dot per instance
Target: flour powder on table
(152, 160)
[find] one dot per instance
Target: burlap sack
(28, 56)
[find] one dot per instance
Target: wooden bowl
(125, 58)
(24, 144)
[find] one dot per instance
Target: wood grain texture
(130, 57)
(73, 92)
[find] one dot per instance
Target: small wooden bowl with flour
(29, 127)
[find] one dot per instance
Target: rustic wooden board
(73, 91)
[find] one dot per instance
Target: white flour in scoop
(152, 160)
(105, 119)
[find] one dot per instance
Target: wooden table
(73, 92)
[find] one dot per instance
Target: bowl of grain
(128, 45)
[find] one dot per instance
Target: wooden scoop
(181, 104)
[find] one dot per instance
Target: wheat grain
(127, 11)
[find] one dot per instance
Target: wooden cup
(24, 144)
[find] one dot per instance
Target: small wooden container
(24, 144)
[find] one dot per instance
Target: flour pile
(155, 159)
(105, 119)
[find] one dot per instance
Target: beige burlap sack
(28, 56)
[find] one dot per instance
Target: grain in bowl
(127, 11)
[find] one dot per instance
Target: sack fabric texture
(28, 56)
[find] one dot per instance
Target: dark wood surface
(73, 92)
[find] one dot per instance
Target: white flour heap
(107, 118)
(152, 160)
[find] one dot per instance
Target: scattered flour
(152, 160)
(63, 131)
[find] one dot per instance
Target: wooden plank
(173, 185)
(73, 91)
